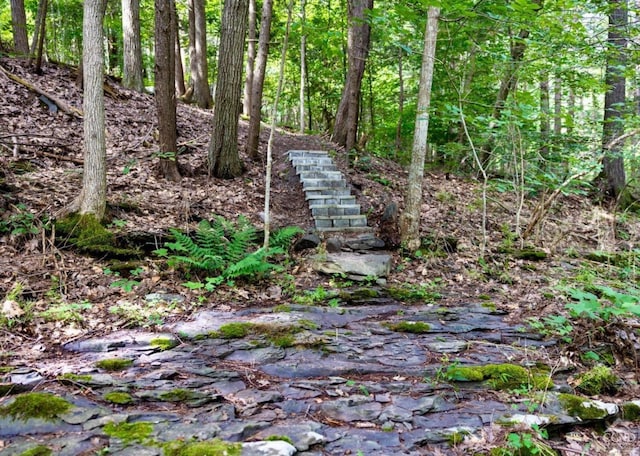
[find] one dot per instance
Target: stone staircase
(332, 206)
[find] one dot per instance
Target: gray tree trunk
(19, 25)
(132, 48)
(224, 159)
(93, 196)
(410, 218)
(251, 60)
(255, 115)
(199, 68)
(179, 69)
(346, 124)
(165, 94)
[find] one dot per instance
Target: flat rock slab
(354, 264)
(346, 383)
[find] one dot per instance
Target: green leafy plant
(66, 312)
(127, 284)
(603, 303)
(21, 223)
(553, 326)
(224, 251)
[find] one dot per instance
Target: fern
(222, 249)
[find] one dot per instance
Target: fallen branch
(61, 104)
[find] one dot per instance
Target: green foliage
(552, 326)
(423, 292)
(224, 251)
(40, 450)
(44, 406)
(501, 376)
(114, 364)
(66, 312)
(21, 223)
(16, 311)
(142, 314)
(583, 408)
(525, 443)
(163, 343)
(414, 327)
(315, 296)
(603, 303)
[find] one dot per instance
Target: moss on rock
(44, 406)
(582, 408)
(114, 364)
(74, 378)
(163, 343)
(598, 380)
(119, 397)
(178, 395)
(415, 327)
(130, 432)
(501, 376)
(464, 374)
(215, 447)
(39, 450)
(631, 411)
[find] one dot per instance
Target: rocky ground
(346, 380)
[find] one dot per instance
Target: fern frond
(282, 238)
(241, 239)
(251, 266)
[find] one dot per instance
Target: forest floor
(41, 156)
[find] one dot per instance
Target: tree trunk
(346, 124)
(179, 69)
(251, 60)
(410, 219)
(224, 159)
(545, 124)
(303, 62)
(93, 196)
(38, 37)
(19, 25)
(199, 69)
(253, 134)
(132, 48)
(612, 179)
(165, 94)
(557, 106)
(400, 103)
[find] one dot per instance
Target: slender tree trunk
(557, 106)
(179, 69)
(303, 62)
(612, 179)
(253, 134)
(251, 60)
(410, 218)
(38, 37)
(571, 108)
(165, 94)
(346, 124)
(400, 102)
(19, 25)
(199, 67)
(93, 196)
(224, 160)
(132, 47)
(545, 124)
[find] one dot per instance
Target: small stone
(270, 448)
(333, 245)
(308, 241)
(308, 439)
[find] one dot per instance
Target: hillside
(40, 173)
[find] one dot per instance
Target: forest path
(366, 377)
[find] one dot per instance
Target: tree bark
(38, 37)
(303, 62)
(179, 69)
(545, 124)
(346, 124)
(557, 106)
(199, 68)
(251, 60)
(93, 196)
(253, 133)
(612, 179)
(165, 94)
(398, 142)
(224, 159)
(132, 47)
(19, 25)
(410, 218)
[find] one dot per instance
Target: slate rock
(354, 408)
(333, 245)
(308, 241)
(354, 264)
(365, 243)
(270, 448)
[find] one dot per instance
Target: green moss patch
(215, 447)
(282, 438)
(114, 364)
(163, 343)
(234, 330)
(582, 408)
(74, 378)
(501, 376)
(415, 327)
(598, 380)
(44, 406)
(280, 335)
(119, 397)
(130, 432)
(631, 411)
(179, 395)
(39, 450)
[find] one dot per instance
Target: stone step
(312, 161)
(326, 192)
(357, 229)
(323, 183)
(315, 167)
(341, 221)
(332, 210)
(322, 200)
(307, 153)
(320, 174)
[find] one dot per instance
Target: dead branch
(61, 104)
